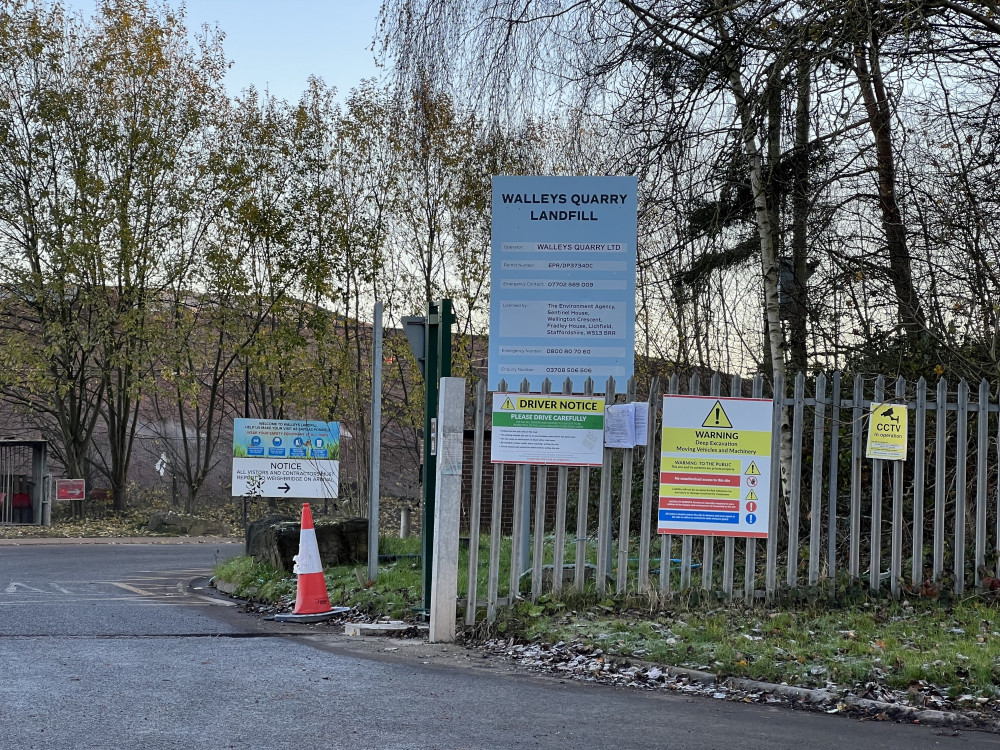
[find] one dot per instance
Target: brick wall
(486, 506)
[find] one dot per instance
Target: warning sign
(547, 429)
(887, 432)
(717, 417)
(715, 466)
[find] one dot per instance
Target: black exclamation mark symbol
(717, 410)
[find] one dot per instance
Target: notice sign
(286, 458)
(71, 489)
(531, 428)
(715, 466)
(887, 432)
(562, 280)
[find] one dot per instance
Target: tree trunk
(798, 297)
(768, 244)
(873, 93)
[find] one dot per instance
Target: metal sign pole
(437, 365)
(375, 454)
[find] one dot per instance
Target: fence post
(729, 543)
(519, 523)
(582, 508)
(666, 540)
(604, 507)
(940, 457)
(493, 580)
(896, 547)
(962, 442)
(795, 482)
(562, 487)
(652, 457)
(831, 513)
(750, 550)
(624, 520)
(771, 565)
(816, 507)
(375, 446)
(983, 447)
(857, 454)
(538, 550)
(919, 440)
(686, 539)
(875, 539)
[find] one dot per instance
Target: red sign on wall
(70, 489)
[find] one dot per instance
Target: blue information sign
(562, 300)
(302, 458)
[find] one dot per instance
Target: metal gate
(23, 496)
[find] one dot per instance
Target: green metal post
(437, 365)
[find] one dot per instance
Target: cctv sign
(887, 432)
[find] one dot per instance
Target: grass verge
(396, 593)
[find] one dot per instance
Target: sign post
(74, 490)
(437, 365)
(375, 445)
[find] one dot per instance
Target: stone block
(276, 540)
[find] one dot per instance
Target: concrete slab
(391, 628)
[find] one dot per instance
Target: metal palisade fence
(925, 524)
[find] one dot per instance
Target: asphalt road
(105, 646)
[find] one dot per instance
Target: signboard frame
(73, 490)
(544, 429)
(715, 466)
(286, 458)
(888, 431)
(562, 280)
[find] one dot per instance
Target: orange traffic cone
(312, 603)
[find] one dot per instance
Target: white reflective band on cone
(307, 561)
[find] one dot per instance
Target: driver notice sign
(547, 429)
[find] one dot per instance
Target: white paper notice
(641, 422)
(619, 426)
